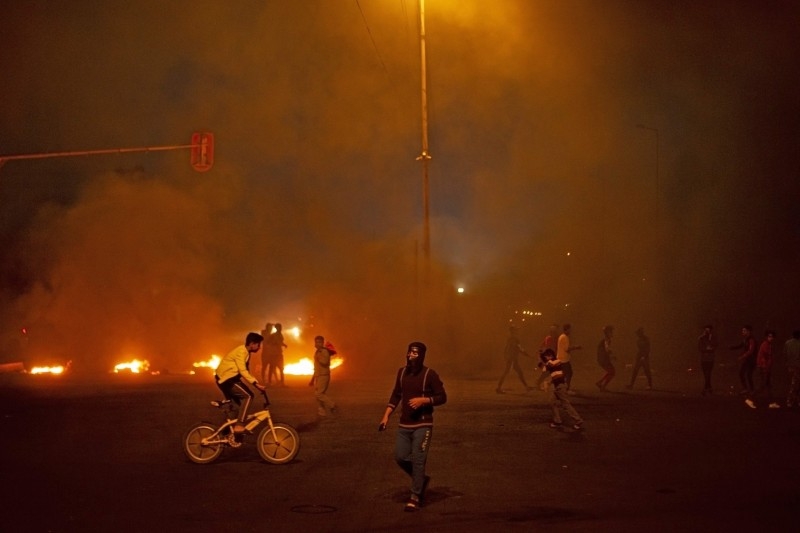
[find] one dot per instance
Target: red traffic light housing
(202, 151)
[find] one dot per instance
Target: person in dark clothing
(275, 345)
(266, 362)
(764, 361)
(548, 342)
(417, 389)
(642, 359)
(511, 353)
(747, 360)
(707, 346)
(604, 358)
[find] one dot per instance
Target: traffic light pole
(202, 147)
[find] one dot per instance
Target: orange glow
(47, 370)
(134, 367)
(305, 367)
(212, 363)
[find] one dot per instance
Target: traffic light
(202, 151)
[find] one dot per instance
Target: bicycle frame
(252, 421)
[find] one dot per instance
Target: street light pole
(425, 156)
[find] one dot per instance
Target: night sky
(598, 162)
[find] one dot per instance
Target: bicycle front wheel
(279, 446)
(193, 446)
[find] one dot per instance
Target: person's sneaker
(412, 504)
(555, 425)
(578, 426)
(774, 405)
(750, 403)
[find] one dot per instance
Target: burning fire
(48, 370)
(212, 363)
(135, 367)
(305, 367)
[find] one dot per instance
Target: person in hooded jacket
(417, 389)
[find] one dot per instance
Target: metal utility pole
(425, 156)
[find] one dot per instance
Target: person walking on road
(231, 373)
(604, 358)
(321, 379)
(747, 360)
(764, 360)
(511, 353)
(559, 398)
(642, 359)
(417, 389)
(564, 348)
(707, 346)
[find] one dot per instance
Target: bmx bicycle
(277, 443)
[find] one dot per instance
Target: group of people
(555, 353)
(556, 366)
(754, 356)
(561, 346)
(417, 390)
(605, 359)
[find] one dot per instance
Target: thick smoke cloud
(545, 195)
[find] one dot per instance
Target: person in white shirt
(563, 354)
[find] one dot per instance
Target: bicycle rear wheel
(193, 445)
(279, 447)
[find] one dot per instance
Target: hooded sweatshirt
(415, 380)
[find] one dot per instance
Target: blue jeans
(411, 453)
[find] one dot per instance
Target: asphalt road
(104, 454)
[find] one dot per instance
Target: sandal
(412, 504)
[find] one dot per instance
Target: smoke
(545, 195)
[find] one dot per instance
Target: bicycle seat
(220, 403)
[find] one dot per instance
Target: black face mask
(414, 364)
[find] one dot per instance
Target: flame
(305, 367)
(135, 366)
(212, 363)
(47, 370)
